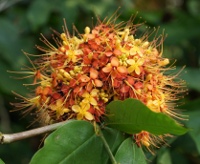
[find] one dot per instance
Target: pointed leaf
(77, 142)
(1, 162)
(132, 116)
(129, 153)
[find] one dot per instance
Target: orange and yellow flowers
(82, 75)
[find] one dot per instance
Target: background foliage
(22, 21)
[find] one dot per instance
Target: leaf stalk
(107, 146)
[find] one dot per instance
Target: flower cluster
(79, 77)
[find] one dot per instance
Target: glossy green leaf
(1, 162)
(132, 116)
(129, 153)
(77, 142)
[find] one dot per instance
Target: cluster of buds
(77, 78)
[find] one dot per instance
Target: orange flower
(79, 77)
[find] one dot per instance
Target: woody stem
(8, 138)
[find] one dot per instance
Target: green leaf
(1, 162)
(77, 142)
(39, 13)
(164, 158)
(8, 84)
(129, 153)
(177, 29)
(192, 77)
(194, 122)
(12, 41)
(113, 137)
(132, 116)
(11, 56)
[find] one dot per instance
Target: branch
(8, 138)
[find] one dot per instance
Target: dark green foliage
(132, 116)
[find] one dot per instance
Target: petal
(94, 92)
(114, 62)
(150, 87)
(47, 90)
(86, 94)
(124, 89)
(76, 108)
(84, 78)
(98, 83)
(90, 36)
(85, 106)
(137, 70)
(79, 116)
(130, 80)
(117, 52)
(89, 116)
(131, 69)
(53, 107)
(85, 101)
(108, 54)
(131, 61)
(138, 85)
(93, 101)
(66, 110)
(122, 69)
(89, 86)
(60, 112)
(140, 62)
(77, 52)
(59, 102)
(93, 73)
(164, 62)
(133, 51)
(106, 69)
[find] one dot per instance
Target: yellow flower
(71, 56)
(155, 105)
(59, 108)
(82, 110)
(135, 50)
(135, 66)
(89, 98)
